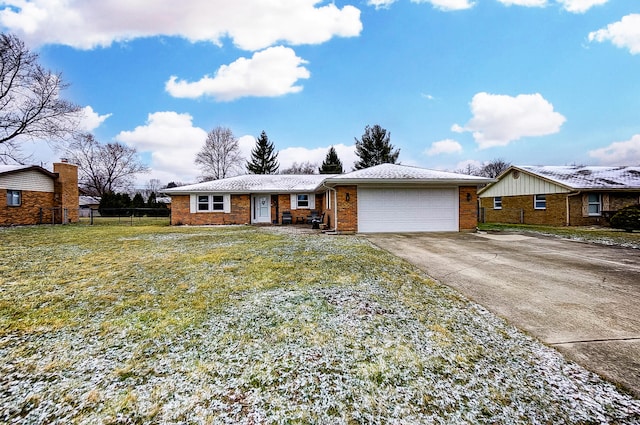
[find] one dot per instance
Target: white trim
(535, 202)
(497, 205)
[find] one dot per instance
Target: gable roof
(12, 169)
(394, 173)
(588, 177)
(290, 183)
(255, 183)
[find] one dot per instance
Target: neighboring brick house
(34, 195)
(560, 195)
(384, 198)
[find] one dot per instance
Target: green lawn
(158, 324)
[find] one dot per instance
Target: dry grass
(233, 325)
(593, 234)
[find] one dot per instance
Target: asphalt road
(583, 299)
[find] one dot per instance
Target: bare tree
(302, 168)
(491, 169)
(104, 168)
(494, 168)
(220, 156)
(30, 106)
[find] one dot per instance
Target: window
(540, 202)
(203, 202)
(212, 203)
(328, 199)
(595, 204)
(497, 203)
(217, 202)
(14, 198)
(303, 201)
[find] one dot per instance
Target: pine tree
(375, 148)
(263, 159)
(331, 164)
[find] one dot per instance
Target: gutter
(570, 194)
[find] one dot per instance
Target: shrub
(627, 218)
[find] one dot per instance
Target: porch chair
(317, 221)
(312, 216)
(286, 217)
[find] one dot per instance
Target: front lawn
(238, 325)
(591, 234)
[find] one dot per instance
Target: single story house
(30, 194)
(384, 198)
(559, 195)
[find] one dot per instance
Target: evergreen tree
(375, 148)
(331, 163)
(138, 202)
(263, 159)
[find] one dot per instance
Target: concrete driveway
(583, 299)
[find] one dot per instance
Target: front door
(261, 209)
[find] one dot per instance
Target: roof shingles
(589, 177)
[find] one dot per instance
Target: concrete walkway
(583, 299)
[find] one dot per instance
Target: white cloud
(269, 73)
(469, 164)
(444, 147)
(448, 5)
(90, 120)
(381, 4)
(499, 119)
(526, 3)
(251, 24)
(580, 6)
(619, 153)
(173, 142)
(624, 33)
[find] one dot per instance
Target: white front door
(261, 209)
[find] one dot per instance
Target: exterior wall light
(468, 197)
(347, 197)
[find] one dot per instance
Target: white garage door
(407, 210)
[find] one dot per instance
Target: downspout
(570, 194)
(335, 205)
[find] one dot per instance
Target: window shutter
(585, 205)
(605, 202)
(312, 201)
(192, 203)
(294, 201)
(227, 203)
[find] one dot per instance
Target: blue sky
(533, 82)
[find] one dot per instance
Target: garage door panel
(407, 210)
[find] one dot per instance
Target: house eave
(420, 182)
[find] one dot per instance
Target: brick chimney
(66, 192)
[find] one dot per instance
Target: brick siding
(181, 212)
(28, 212)
(347, 210)
(467, 209)
(556, 212)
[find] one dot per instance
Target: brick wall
(347, 210)
(556, 212)
(29, 211)
(554, 215)
(181, 212)
(467, 209)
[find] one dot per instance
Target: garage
(407, 209)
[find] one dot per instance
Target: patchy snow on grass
(272, 328)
